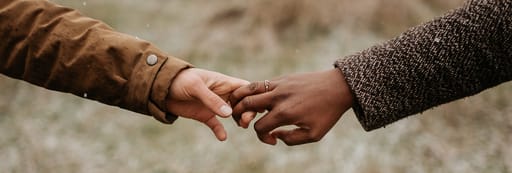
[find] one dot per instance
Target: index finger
(234, 83)
(242, 92)
(217, 128)
(247, 90)
(253, 103)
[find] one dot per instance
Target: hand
(200, 95)
(313, 102)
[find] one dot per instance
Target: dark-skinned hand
(313, 102)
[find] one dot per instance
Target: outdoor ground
(46, 131)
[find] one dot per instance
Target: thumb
(212, 101)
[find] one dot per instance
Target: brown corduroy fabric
(59, 49)
(457, 55)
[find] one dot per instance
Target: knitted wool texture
(459, 54)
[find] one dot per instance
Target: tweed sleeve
(457, 55)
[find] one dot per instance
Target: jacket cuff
(160, 89)
(357, 106)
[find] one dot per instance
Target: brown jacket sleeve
(460, 54)
(59, 49)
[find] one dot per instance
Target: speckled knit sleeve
(457, 55)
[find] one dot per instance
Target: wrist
(344, 92)
(160, 89)
(170, 114)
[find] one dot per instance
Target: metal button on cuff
(152, 59)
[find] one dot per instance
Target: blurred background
(46, 131)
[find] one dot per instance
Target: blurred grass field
(46, 131)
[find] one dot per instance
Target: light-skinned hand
(201, 95)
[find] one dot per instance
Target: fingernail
(226, 110)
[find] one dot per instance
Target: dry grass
(44, 131)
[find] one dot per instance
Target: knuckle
(212, 97)
(282, 94)
(253, 86)
(315, 137)
(284, 115)
(247, 102)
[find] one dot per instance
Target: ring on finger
(267, 85)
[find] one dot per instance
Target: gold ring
(267, 85)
